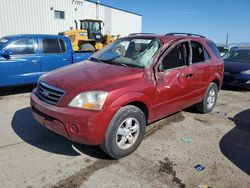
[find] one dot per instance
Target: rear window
(53, 46)
(214, 48)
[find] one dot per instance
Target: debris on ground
(219, 113)
(187, 139)
(199, 167)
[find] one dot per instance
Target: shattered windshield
(131, 52)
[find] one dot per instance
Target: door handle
(189, 76)
(34, 61)
(65, 59)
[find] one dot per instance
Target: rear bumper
(91, 125)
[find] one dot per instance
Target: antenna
(227, 39)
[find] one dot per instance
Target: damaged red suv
(110, 98)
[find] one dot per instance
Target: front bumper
(236, 80)
(92, 125)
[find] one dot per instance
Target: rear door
(22, 66)
(175, 80)
(201, 63)
(53, 54)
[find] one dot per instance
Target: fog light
(74, 128)
(248, 82)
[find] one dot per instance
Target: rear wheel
(209, 100)
(125, 132)
(87, 47)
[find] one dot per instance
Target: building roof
(95, 2)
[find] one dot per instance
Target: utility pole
(97, 10)
(227, 39)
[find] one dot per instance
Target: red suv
(109, 99)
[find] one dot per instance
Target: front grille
(48, 93)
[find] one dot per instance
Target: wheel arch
(137, 99)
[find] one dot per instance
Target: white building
(53, 16)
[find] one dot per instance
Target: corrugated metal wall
(37, 17)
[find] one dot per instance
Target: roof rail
(187, 34)
(132, 34)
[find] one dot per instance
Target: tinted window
(176, 57)
(51, 46)
(206, 54)
(197, 52)
(22, 46)
(62, 45)
(214, 48)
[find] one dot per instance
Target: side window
(197, 53)
(177, 57)
(59, 14)
(22, 46)
(214, 48)
(62, 45)
(206, 54)
(51, 46)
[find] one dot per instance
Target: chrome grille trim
(49, 93)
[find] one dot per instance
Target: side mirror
(6, 54)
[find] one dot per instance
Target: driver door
(22, 66)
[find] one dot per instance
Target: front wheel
(209, 100)
(87, 47)
(125, 132)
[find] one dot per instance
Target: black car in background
(237, 68)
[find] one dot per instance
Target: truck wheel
(209, 100)
(87, 47)
(125, 132)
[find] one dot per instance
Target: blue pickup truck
(24, 58)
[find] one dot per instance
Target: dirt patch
(152, 129)
(166, 166)
(77, 179)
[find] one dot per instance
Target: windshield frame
(124, 39)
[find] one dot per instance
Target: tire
(209, 100)
(118, 136)
(87, 47)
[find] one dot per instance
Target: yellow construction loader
(89, 36)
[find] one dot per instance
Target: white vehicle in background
(225, 48)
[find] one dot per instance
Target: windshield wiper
(96, 60)
(115, 63)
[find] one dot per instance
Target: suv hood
(89, 75)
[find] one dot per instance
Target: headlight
(246, 72)
(92, 100)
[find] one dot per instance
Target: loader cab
(94, 29)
